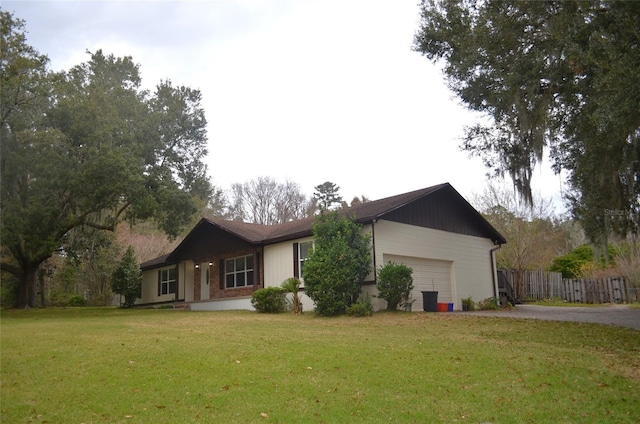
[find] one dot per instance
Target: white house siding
(278, 262)
(150, 284)
(469, 256)
(186, 281)
(278, 266)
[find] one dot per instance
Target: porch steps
(507, 293)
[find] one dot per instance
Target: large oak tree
(89, 147)
(556, 75)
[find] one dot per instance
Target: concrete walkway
(619, 315)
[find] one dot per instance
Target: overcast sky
(304, 90)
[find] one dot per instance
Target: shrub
(468, 304)
(489, 304)
(77, 301)
(292, 285)
(339, 262)
(269, 300)
(395, 282)
(582, 262)
(363, 308)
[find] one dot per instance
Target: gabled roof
(440, 207)
(370, 211)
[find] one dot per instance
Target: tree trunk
(27, 288)
(519, 283)
(41, 286)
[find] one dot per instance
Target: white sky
(305, 90)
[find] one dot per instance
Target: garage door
(428, 275)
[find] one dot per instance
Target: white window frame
(241, 274)
(301, 259)
(166, 281)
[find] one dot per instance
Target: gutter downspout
(494, 274)
(373, 245)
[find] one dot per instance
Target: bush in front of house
(489, 304)
(362, 308)
(339, 262)
(270, 300)
(395, 283)
(468, 304)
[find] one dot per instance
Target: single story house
(435, 231)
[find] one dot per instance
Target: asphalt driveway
(619, 315)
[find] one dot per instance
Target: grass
(557, 301)
(563, 303)
(84, 365)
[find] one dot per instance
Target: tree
(355, 201)
(326, 195)
(265, 201)
(146, 239)
(338, 264)
(628, 262)
(582, 262)
(217, 204)
(395, 283)
(551, 75)
(535, 236)
(89, 148)
(127, 279)
(92, 256)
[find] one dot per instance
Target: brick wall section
(214, 274)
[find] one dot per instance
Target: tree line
(266, 201)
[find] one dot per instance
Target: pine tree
(127, 279)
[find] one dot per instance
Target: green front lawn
(87, 365)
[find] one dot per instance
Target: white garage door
(428, 275)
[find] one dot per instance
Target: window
(304, 249)
(238, 272)
(166, 281)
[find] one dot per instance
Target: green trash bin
(430, 301)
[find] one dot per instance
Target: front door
(205, 279)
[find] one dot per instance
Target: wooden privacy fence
(600, 290)
(538, 285)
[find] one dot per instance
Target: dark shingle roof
(364, 213)
(253, 233)
(152, 263)
(369, 211)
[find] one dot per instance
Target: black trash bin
(430, 301)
